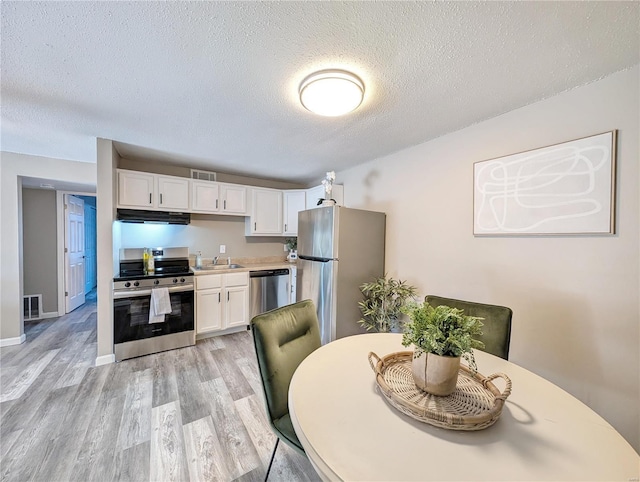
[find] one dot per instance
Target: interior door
(74, 255)
(90, 260)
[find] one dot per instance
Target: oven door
(131, 315)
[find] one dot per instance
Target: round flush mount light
(331, 93)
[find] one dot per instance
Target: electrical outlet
(223, 249)
(285, 247)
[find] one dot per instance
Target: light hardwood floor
(196, 413)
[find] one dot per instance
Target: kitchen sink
(210, 267)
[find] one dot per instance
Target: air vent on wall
(31, 307)
(203, 175)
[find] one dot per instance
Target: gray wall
(575, 298)
(12, 168)
(40, 245)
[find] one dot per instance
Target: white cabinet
(205, 197)
(294, 202)
(143, 190)
(293, 284)
(233, 199)
(236, 308)
(222, 301)
(317, 192)
(266, 213)
(218, 198)
(136, 189)
(208, 310)
(173, 193)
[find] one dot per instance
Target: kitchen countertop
(251, 264)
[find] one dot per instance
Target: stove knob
(136, 283)
(156, 282)
(127, 284)
(181, 280)
(175, 280)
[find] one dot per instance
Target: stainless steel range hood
(157, 217)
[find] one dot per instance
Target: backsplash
(205, 233)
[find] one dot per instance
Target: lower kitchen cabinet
(222, 301)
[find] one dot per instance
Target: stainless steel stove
(133, 334)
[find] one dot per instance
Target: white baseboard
(105, 359)
(18, 340)
(228, 331)
(50, 314)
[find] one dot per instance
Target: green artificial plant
(383, 300)
(291, 243)
(442, 330)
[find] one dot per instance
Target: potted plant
(440, 336)
(383, 300)
(292, 246)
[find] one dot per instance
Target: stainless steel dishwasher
(269, 289)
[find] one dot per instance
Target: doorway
(77, 259)
(90, 247)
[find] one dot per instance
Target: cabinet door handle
(255, 226)
(285, 227)
(218, 297)
(160, 198)
(216, 204)
(225, 205)
(149, 198)
(227, 296)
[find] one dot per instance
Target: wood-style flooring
(196, 413)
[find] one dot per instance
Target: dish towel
(160, 305)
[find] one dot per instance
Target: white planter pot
(435, 374)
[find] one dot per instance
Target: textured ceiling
(214, 85)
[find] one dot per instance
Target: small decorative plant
(383, 300)
(443, 331)
(291, 243)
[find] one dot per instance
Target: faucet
(215, 260)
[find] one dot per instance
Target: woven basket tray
(475, 404)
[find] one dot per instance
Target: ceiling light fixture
(331, 93)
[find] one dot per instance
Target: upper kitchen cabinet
(294, 202)
(218, 198)
(173, 193)
(136, 189)
(143, 190)
(265, 217)
(233, 199)
(317, 192)
(205, 196)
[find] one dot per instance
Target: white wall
(575, 298)
(12, 168)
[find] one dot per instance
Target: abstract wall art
(566, 188)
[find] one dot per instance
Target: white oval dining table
(350, 432)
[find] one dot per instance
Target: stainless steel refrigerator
(339, 248)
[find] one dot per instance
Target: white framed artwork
(566, 188)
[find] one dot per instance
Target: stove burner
(164, 268)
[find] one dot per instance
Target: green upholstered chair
(283, 338)
(496, 332)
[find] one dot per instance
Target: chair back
(496, 332)
(283, 338)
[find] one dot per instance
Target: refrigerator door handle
(314, 258)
